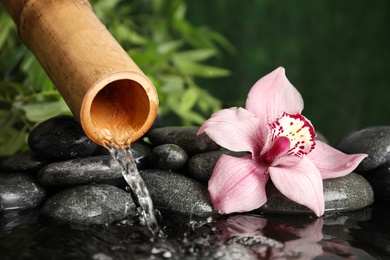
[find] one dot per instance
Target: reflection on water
(362, 234)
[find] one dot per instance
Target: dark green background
(336, 53)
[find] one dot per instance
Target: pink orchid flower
(282, 146)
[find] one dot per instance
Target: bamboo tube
(105, 90)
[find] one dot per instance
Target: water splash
(138, 188)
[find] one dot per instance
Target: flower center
(298, 130)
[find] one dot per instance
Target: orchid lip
(279, 147)
(298, 130)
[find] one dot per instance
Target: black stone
(185, 137)
(27, 161)
(201, 166)
(379, 179)
(20, 191)
(374, 141)
(90, 204)
(60, 138)
(95, 169)
(346, 193)
(169, 157)
(178, 193)
(142, 153)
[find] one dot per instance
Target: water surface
(361, 234)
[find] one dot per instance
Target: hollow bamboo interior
(103, 87)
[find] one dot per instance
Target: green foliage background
(335, 52)
(155, 33)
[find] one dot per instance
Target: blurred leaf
(220, 39)
(193, 55)
(10, 90)
(180, 12)
(189, 117)
(169, 47)
(123, 33)
(192, 117)
(189, 99)
(12, 141)
(199, 70)
(207, 103)
(37, 77)
(7, 119)
(172, 84)
(38, 112)
(6, 25)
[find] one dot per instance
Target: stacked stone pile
(74, 180)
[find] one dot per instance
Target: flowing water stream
(138, 188)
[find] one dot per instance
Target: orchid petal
(279, 148)
(301, 183)
(236, 129)
(273, 95)
(332, 163)
(237, 184)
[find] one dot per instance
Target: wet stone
(27, 161)
(379, 179)
(60, 138)
(169, 157)
(374, 141)
(90, 204)
(142, 153)
(201, 166)
(177, 193)
(346, 193)
(96, 169)
(185, 137)
(20, 191)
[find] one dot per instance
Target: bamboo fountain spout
(105, 90)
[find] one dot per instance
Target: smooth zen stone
(374, 141)
(379, 179)
(60, 138)
(185, 137)
(201, 166)
(20, 191)
(169, 157)
(346, 193)
(90, 204)
(96, 169)
(142, 153)
(177, 193)
(26, 161)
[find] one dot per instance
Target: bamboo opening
(121, 108)
(103, 87)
